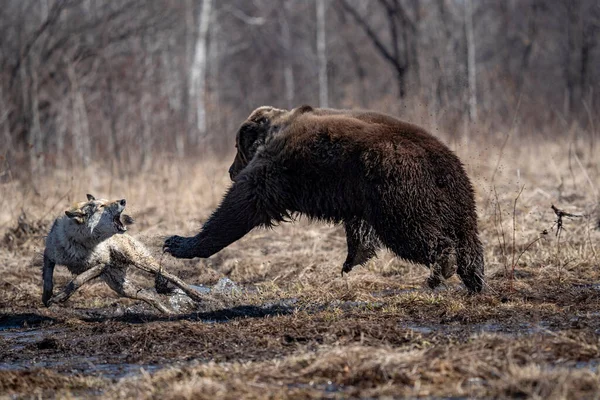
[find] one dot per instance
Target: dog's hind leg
(147, 263)
(76, 283)
(117, 280)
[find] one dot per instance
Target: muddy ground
(289, 326)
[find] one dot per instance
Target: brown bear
(389, 182)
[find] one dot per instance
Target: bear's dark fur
(389, 182)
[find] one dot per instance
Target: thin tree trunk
(80, 127)
(35, 130)
(145, 106)
(214, 86)
(186, 102)
(288, 71)
(392, 56)
(414, 46)
(322, 54)
(4, 111)
(111, 101)
(471, 71)
(25, 101)
(198, 72)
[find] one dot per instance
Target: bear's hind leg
(471, 266)
(443, 266)
(362, 243)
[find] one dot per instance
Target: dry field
(293, 327)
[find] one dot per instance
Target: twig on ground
(559, 216)
(500, 233)
(514, 227)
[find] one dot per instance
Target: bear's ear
(249, 134)
(304, 109)
(90, 197)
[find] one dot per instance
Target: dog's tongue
(127, 219)
(119, 224)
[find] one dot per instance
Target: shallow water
(182, 303)
(512, 330)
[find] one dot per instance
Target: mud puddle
(25, 320)
(512, 330)
(394, 292)
(592, 286)
(324, 390)
(41, 341)
(592, 365)
(18, 339)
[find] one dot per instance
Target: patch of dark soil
(110, 343)
(164, 342)
(26, 320)
(225, 315)
(48, 344)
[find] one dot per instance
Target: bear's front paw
(180, 247)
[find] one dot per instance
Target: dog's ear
(76, 215)
(90, 197)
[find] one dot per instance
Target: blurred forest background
(90, 81)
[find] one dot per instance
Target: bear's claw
(179, 247)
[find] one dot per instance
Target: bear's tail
(469, 258)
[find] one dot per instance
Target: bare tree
(198, 71)
(146, 106)
(288, 52)
(84, 81)
(81, 128)
(400, 28)
(471, 72)
(322, 53)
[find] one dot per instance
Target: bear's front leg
(257, 198)
(183, 247)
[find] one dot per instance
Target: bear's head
(262, 124)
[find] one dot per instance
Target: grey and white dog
(90, 240)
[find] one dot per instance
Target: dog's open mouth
(119, 224)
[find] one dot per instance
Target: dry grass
(302, 331)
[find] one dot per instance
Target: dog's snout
(122, 202)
